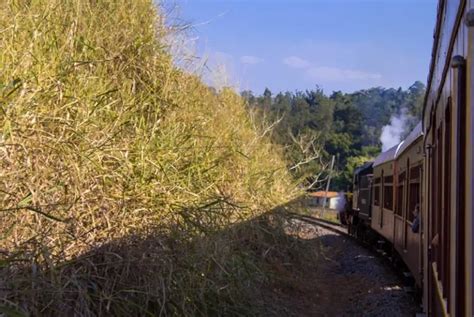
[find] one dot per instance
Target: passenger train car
(394, 192)
(448, 125)
(420, 192)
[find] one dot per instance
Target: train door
(399, 214)
(446, 213)
(470, 155)
(382, 199)
(377, 199)
(421, 258)
(438, 309)
(431, 222)
(407, 195)
(426, 216)
(459, 185)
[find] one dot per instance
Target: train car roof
(364, 167)
(414, 135)
(388, 155)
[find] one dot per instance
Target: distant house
(316, 199)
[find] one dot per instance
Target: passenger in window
(415, 227)
(435, 240)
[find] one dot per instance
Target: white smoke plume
(392, 133)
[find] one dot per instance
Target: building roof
(322, 194)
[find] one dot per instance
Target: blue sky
(297, 44)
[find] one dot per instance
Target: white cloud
(250, 60)
(340, 74)
(296, 62)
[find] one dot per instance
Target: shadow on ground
(272, 265)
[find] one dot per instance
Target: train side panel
(469, 52)
(448, 195)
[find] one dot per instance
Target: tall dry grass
(127, 186)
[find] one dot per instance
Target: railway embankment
(128, 186)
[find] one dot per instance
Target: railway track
(333, 226)
(340, 229)
(356, 271)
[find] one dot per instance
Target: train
(417, 198)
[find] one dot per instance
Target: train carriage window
(414, 200)
(388, 193)
(400, 194)
(388, 197)
(377, 191)
(377, 195)
(414, 189)
(364, 182)
(415, 172)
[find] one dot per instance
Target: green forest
(313, 126)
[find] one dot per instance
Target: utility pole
(327, 185)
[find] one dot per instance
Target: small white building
(334, 200)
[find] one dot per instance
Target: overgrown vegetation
(127, 186)
(346, 125)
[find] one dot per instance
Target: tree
(346, 125)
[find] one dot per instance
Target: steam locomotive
(418, 197)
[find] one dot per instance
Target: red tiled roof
(322, 194)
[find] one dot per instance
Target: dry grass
(122, 178)
(325, 214)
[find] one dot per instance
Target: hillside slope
(126, 185)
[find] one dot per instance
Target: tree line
(313, 126)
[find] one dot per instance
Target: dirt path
(345, 280)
